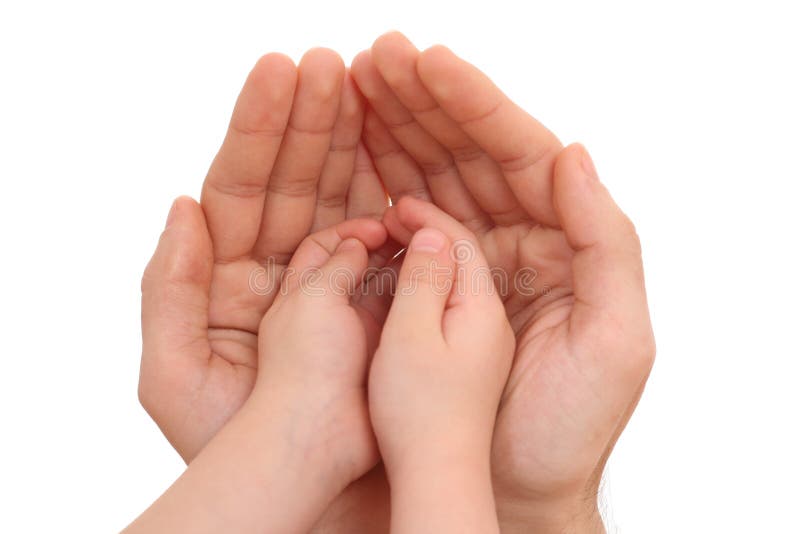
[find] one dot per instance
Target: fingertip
(389, 37)
(183, 253)
(360, 63)
(392, 45)
(320, 56)
(425, 280)
(407, 204)
(346, 266)
(351, 251)
(573, 173)
(365, 74)
(266, 98)
(274, 61)
(408, 211)
(375, 234)
(369, 231)
(431, 61)
(428, 240)
(396, 229)
(396, 59)
(325, 68)
(274, 70)
(584, 206)
(184, 210)
(351, 243)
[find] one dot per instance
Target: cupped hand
(291, 163)
(438, 129)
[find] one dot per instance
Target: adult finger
(524, 150)
(175, 297)
(366, 197)
(395, 57)
(610, 313)
(291, 194)
(336, 177)
(435, 162)
(233, 191)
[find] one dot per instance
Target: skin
(438, 374)
(305, 428)
(292, 148)
(436, 128)
(584, 340)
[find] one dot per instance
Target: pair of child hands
(331, 399)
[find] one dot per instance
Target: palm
(214, 391)
(543, 384)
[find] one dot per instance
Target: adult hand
(290, 164)
(439, 129)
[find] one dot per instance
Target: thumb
(610, 312)
(175, 293)
(423, 285)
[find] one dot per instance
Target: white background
(108, 111)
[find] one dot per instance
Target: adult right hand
(439, 129)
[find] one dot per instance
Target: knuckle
(467, 153)
(294, 186)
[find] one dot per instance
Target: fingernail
(171, 216)
(349, 244)
(588, 165)
(427, 240)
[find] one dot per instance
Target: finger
(176, 282)
(233, 191)
(399, 172)
(373, 297)
(423, 286)
(380, 281)
(366, 197)
(524, 150)
(409, 215)
(292, 187)
(336, 176)
(610, 312)
(435, 162)
(317, 249)
(342, 274)
(475, 281)
(395, 58)
(175, 289)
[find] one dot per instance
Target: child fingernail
(427, 240)
(349, 244)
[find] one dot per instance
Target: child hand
(436, 380)
(314, 346)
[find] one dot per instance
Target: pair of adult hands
(313, 145)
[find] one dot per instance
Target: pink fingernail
(428, 240)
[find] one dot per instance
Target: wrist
(443, 495)
(556, 516)
(441, 451)
(291, 443)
